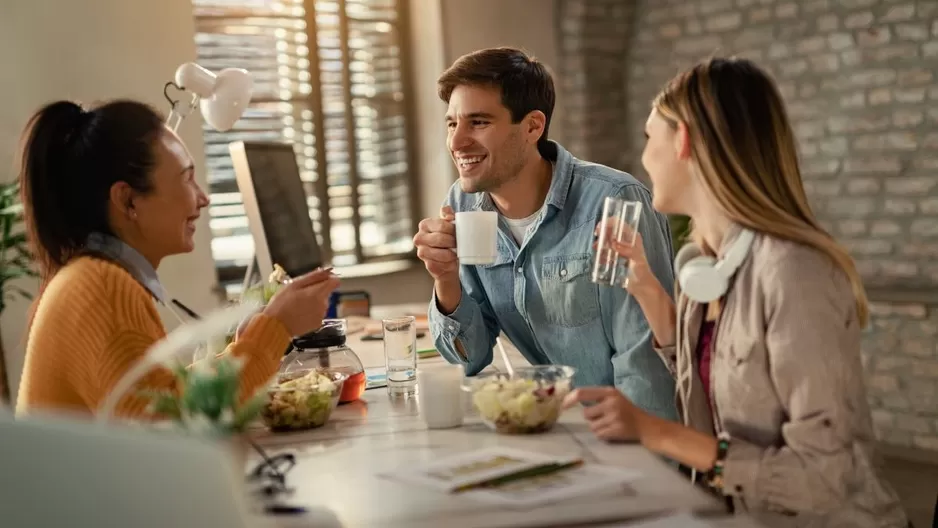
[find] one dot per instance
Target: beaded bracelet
(715, 475)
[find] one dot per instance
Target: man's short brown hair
(525, 83)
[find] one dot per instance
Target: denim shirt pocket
(570, 298)
(499, 283)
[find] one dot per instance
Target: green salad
(264, 292)
(519, 405)
(303, 402)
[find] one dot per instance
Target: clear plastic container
(302, 399)
(326, 349)
(530, 402)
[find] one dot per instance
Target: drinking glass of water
(400, 355)
(619, 222)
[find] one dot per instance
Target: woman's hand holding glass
(656, 303)
(640, 278)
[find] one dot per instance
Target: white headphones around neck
(703, 278)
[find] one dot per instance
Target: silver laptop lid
(72, 472)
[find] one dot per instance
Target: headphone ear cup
(701, 281)
(685, 255)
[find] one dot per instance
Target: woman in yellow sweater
(109, 193)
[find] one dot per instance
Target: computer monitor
(275, 203)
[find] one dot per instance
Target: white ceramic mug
(439, 395)
(476, 237)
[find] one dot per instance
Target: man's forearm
(463, 328)
(448, 295)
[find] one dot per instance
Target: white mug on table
(476, 237)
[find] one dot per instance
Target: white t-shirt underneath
(519, 228)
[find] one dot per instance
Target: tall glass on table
(619, 222)
(400, 355)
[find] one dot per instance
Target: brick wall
(591, 78)
(858, 77)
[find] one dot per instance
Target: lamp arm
(177, 112)
(181, 340)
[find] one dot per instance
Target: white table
(337, 466)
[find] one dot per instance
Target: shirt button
(520, 270)
(563, 273)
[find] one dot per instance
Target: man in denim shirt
(538, 291)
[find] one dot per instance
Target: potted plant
(207, 398)
(207, 401)
(15, 263)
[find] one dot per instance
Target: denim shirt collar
(561, 178)
(130, 259)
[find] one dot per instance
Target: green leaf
(163, 402)
(9, 190)
(23, 253)
(167, 406)
(249, 411)
(209, 392)
(23, 293)
(15, 210)
(13, 273)
(20, 261)
(229, 370)
(13, 240)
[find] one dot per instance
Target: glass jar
(326, 349)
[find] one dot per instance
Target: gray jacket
(787, 383)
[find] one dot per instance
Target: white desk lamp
(222, 97)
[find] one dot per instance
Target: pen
(186, 309)
(537, 471)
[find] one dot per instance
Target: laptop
(65, 471)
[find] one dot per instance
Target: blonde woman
(765, 341)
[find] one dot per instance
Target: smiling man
(538, 291)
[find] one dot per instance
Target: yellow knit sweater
(94, 321)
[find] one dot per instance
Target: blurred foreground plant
(206, 401)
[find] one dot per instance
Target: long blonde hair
(743, 143)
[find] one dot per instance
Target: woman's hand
(612, 417)
(643, 285)
(640, 278)
(302, 303)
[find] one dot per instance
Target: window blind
(330, 78)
